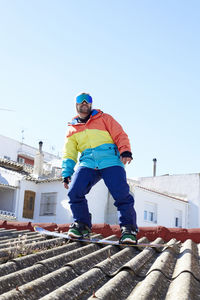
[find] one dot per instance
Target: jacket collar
(94, 113)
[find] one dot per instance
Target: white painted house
(13, 150)
(35, 193)
(155, 208)
(28, 198)
(31, 187)
(24, 197)
(186, 186)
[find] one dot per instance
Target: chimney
(154, 167)
(40, 146)
(38, 162)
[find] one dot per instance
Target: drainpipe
(154, 167)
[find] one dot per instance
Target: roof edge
(151, 233)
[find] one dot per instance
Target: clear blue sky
(140, 61)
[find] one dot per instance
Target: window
(178, 218)
(6, 157)
(21, 160)
(151, 216)
(48, 204)
(150, 212)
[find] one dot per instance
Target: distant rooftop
(166, 194)
(28, 171)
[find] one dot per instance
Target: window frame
(48, 204)
(150, 212)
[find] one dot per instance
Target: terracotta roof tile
(15, 166)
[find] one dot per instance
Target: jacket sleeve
(70, 154)
(117, 133)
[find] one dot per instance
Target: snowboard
(95, 241)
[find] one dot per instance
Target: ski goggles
(83, 97)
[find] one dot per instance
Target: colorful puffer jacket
(100, 141)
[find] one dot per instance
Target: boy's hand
(66, 185)
(126, 160)
(66, 182)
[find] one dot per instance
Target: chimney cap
(40, 146)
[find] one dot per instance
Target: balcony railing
(7, 215)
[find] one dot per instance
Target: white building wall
(8, 196)
(166, 208)
(97, 199)
(63, 213)
(11, 148)
(30, 186)
(101, 206)
(111, 213)
(7, 200)
(10, 177)
(180, 185)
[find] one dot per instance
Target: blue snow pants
(115, 179)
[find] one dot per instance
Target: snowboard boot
(79, 230)
(128, 235)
